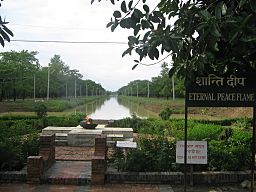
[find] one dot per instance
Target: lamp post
(75, 88)
(34, 87)
(48, 83)
(148, 89)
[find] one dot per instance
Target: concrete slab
(83, 137)
(52, 130)
(126, 132)
(78, 136)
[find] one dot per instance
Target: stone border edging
(13, 176)
(177, 177)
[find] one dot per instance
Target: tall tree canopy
(205, 35)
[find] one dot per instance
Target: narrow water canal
(114, 108)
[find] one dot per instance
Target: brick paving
(74, 153)
(69, 172)
(115, 188)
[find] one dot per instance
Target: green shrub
(11, 154)
(228, 147)
(16, 128)
(152, 154)
(244, 123)
(165, 114)
(71, 120)
(15, 150)
(40, 110)
(228, 155)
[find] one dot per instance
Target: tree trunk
(2, 92)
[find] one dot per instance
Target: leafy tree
(16, 71)
(131, 88)
(199, 35)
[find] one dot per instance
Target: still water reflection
(111, 109)
(114, 108)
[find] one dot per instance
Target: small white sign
(126, 144)
(196, 152)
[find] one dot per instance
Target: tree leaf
(146, 36)
(224, 9)
(241, 3)
(127, 51)
(7, 30)
(123, 7)
(109, 24)
(136, 29)
(146, 8)
(92, 1)
(1, 41)
(154, 18)
(5, 36)
(113, 2)
(134, 66)
(137, 13)
(117, 14)
(214, 31)
(132, 39)
(153, 53)
(253, 5)
(218, 9)
(136, 61)
(113, 27)
(171, 72)
(130, 4)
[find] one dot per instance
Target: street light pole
(66, 90)
(34, 87)
(48, 83)
(86, 90)
(148, 89)
(137, 90)
(75, 88)
(173, 89)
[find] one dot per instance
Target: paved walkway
(74, 153)
(69, 172)
(115, 188)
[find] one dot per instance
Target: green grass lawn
(53, 105)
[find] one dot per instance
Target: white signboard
(196, 152)
(126, 144)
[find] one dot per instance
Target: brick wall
(99, 160)
(37, 165)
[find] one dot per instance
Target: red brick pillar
(99, 161)
(100, 145)
(47, 149)
(34, 169)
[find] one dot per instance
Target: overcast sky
(76, 20)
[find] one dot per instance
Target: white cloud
(76, 21)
